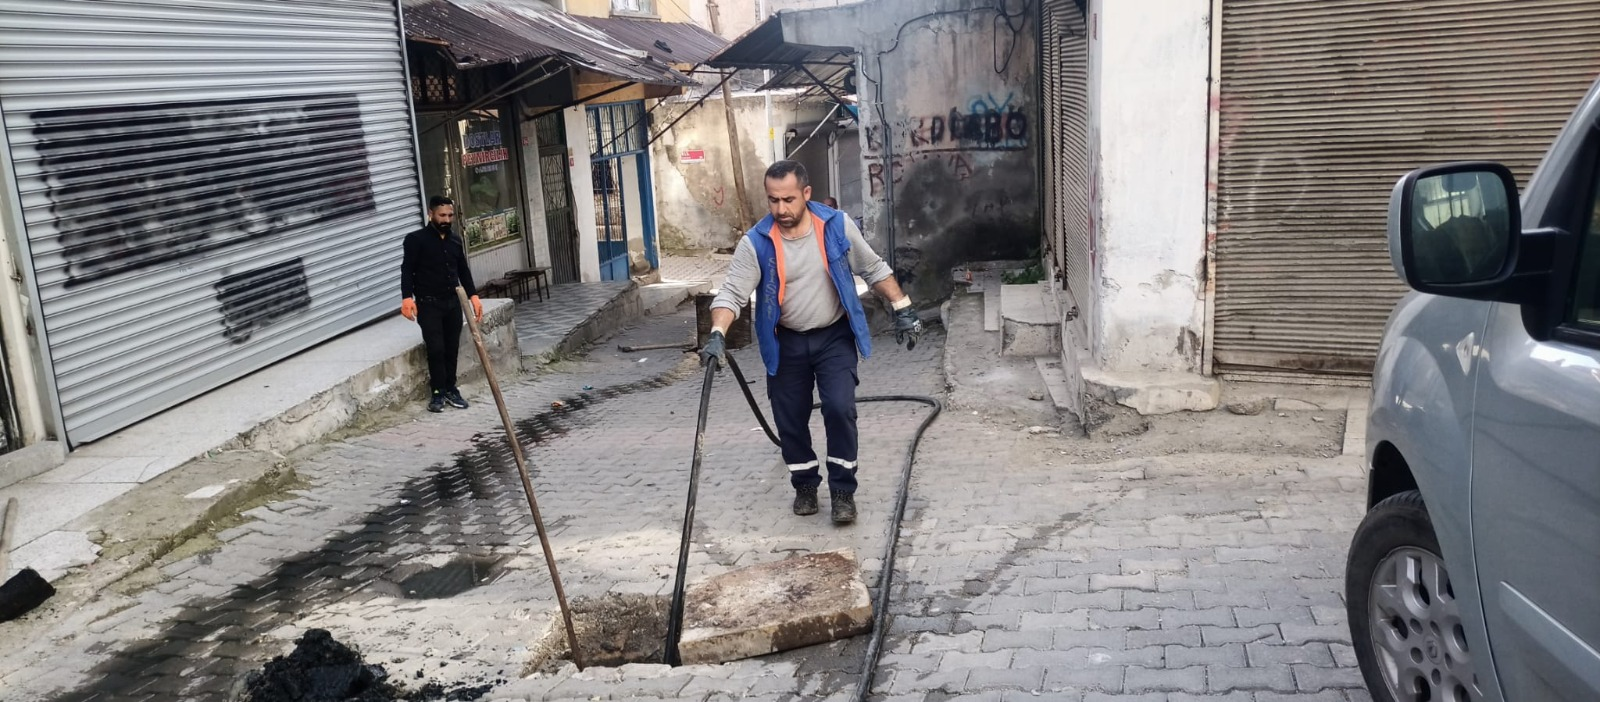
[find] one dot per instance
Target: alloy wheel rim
(1417, 632)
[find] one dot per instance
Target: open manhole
(613, 630)
(423, 581)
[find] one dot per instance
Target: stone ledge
(1153, 393)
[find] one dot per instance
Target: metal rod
(522, 469)
(675, 614)
(497, 93)
(580, 101)
(685, 345)
(813, 133)
(836, 99)
(697, 103)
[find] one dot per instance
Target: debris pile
(321, 669)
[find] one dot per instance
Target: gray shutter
(208, 186)
(1067, 143)
(1325, 104)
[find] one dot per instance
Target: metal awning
(479, 33)
(677, 43)
(820, 69)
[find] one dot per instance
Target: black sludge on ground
(320, 669)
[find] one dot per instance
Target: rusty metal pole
(522, 469)
(745, 217)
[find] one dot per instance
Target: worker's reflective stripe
(794, 467)
(842, 463)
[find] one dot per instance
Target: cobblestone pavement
(1027, 570)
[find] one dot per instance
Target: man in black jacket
(435, 262)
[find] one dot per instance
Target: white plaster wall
(696, 205)
(535, 231)
(1149, 103)
(582, 193)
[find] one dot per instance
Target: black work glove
(716, 348)
(907, 327)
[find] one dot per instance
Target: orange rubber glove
(477, 307)
(408, 309)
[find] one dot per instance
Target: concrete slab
(795, 602)
(1153, 393)
(54, 554)
(1030, 325)
(29, 461)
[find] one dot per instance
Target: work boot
(454, 398)
(436, 403)
(805, 501)
(844, 507)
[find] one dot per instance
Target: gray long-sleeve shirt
(809, 299)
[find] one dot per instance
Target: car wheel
(1405, 621)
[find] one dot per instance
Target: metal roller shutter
(1067, 143)
(208, 186)
(1325, 104)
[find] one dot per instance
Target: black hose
(675, 614)
(880, 610)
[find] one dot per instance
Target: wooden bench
(521, 277)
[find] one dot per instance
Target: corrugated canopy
(821, 69)
(484, 32)
(668, 42)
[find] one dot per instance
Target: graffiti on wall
(134, 188)
(253, 300)
(986, 123)
(956, 165)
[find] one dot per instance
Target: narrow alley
(1033, 564)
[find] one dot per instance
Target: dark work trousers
(824, 359)
(441, 321)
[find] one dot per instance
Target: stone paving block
(1151, 657)
(1136, 697)
(1141, 679)
(1182, 636)
(1344, 655)
(1255, 616)
(1009, 678)
(1228, 679)
(955, 660)
(1078, 619)
(1317, 633)
(1037, 639)
(1216, 635)
(1072, 601)
(1178, 618)
(1227, 655)
(1107, 679)
(1133, 619)
(1266, 656)
(1324, 696)
(1138, 599)
(1314, 678)
(1067, 639)
(1138, 581)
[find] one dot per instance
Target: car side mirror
(1455, 230)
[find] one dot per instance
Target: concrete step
(1030, 325)
(1065, 390)
(28, 461)
(664, 297)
